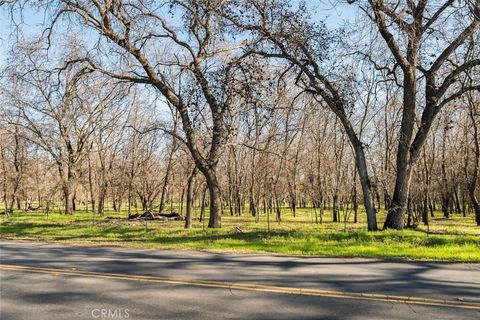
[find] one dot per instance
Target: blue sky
(334, 17)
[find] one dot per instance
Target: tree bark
(215, 220)
(472, 184)
(68, 197)
(167, 173)
(188, 217)
(202, 205)
(404, 163)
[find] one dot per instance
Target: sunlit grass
(455, 239)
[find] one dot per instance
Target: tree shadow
(423, 279)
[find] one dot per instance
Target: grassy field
(455, 239)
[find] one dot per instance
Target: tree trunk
(361, 164)
(472, 185)
(397, 208)
(101, 200)
(188, 218)
(396, 212)
(202, 205)
(68, 197)
(425, 210)
(166, 178)
(74, 201)
(5, 183)
(215, 220)
(90, 185)
(476, 207)
(335, 206)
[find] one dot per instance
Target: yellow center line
(251, 287)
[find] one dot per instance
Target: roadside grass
(454, 239)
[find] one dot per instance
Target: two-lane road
(53, 281)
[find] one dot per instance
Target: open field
(455, 239)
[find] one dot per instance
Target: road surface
(56, 281)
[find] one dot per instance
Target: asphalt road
(53, 281)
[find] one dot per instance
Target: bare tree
(60, 114)
(194, 62)
(285, 34)
(406, 28)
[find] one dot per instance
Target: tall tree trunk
(354, 197)
(446, 193)
(425, 209)
(74, 201)
(5, 181)
(182, 196)
(361, 164)
(68, 184)
(335, 206)
(213, 185)
(188, 218)
(90, 184)
(397, 208)
(68, 198)
(167, 175)
(202, 205)
(472, 184)
(101, 199)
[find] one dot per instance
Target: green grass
(455, 239)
